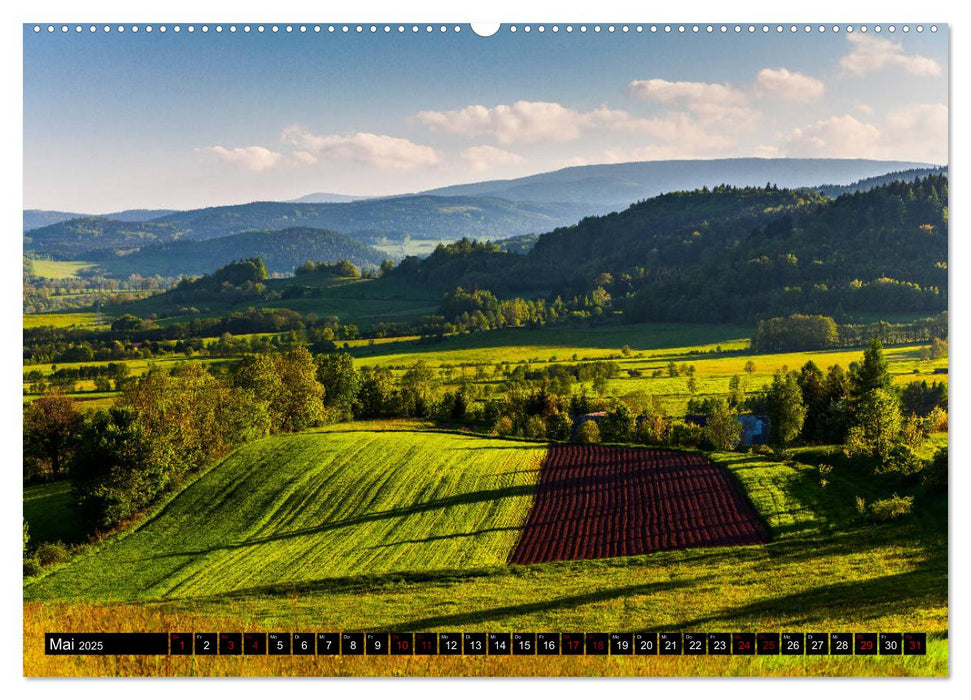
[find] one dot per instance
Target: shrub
(860, 506)
(686, 434)
(51, 553)
(936, 420)
(589, 433)
(31, 567)
(504, 425)
(935, 472)
(891, 508)
(536, 428)
(902, 460)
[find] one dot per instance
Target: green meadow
(365, 528)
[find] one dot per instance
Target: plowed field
(594, 502)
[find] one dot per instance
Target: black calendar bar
(518, 643)
(110, 643)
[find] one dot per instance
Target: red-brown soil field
(594, 502)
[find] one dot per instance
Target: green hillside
(298, 509)
(371, 221)
(281, 251)
(728, 255)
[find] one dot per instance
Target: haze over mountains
(495, 210)
(616, 186)
(37, 218)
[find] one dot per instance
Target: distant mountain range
(520, 208)
(870, 183)
(326, 198)
(37, 218)
(614, 187)
(370, 221)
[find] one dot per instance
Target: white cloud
(253, 158)
(921, 130)
(928, 120)
(483, 157)
(839, 137)
(529, 122)
(708, 101)
(522, 121)
(787, 85)
(304, 157)
(375, 149)
(917, 132)
(871, 53)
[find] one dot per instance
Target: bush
(589, 433)
(31, 567)
(891, 508)
(686, 434)
(902, 460)
(935, 472)
(51, 553)
(504, 425)
(536, 428)
(936, 421)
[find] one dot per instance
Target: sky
(181, 120)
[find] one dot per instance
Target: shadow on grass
(486, 495)
(475, 617)
(859, 600)
(363, 583)
(450, 536)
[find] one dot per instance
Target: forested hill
(730, 254)
(880, 180)
(884, 250)
(370, 221)
(36, 218)
(281, 251)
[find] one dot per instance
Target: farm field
(391, 556)
(595, 502)
(59, 269)
(511, 345)
(40, 617)
(474, 357)
(82, 319)
(297, 510)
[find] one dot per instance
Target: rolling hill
(728, 254)
(370, 221)
(605, 188)
(281, 251)
(38, 218)
(298, 510)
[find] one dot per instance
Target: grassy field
(512, 345)
(359, 529)
(60, 269)
(716, 353)
(83, 319)
(50, 515)
(300, 510)
(78, 617)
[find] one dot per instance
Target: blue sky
(125, 120)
